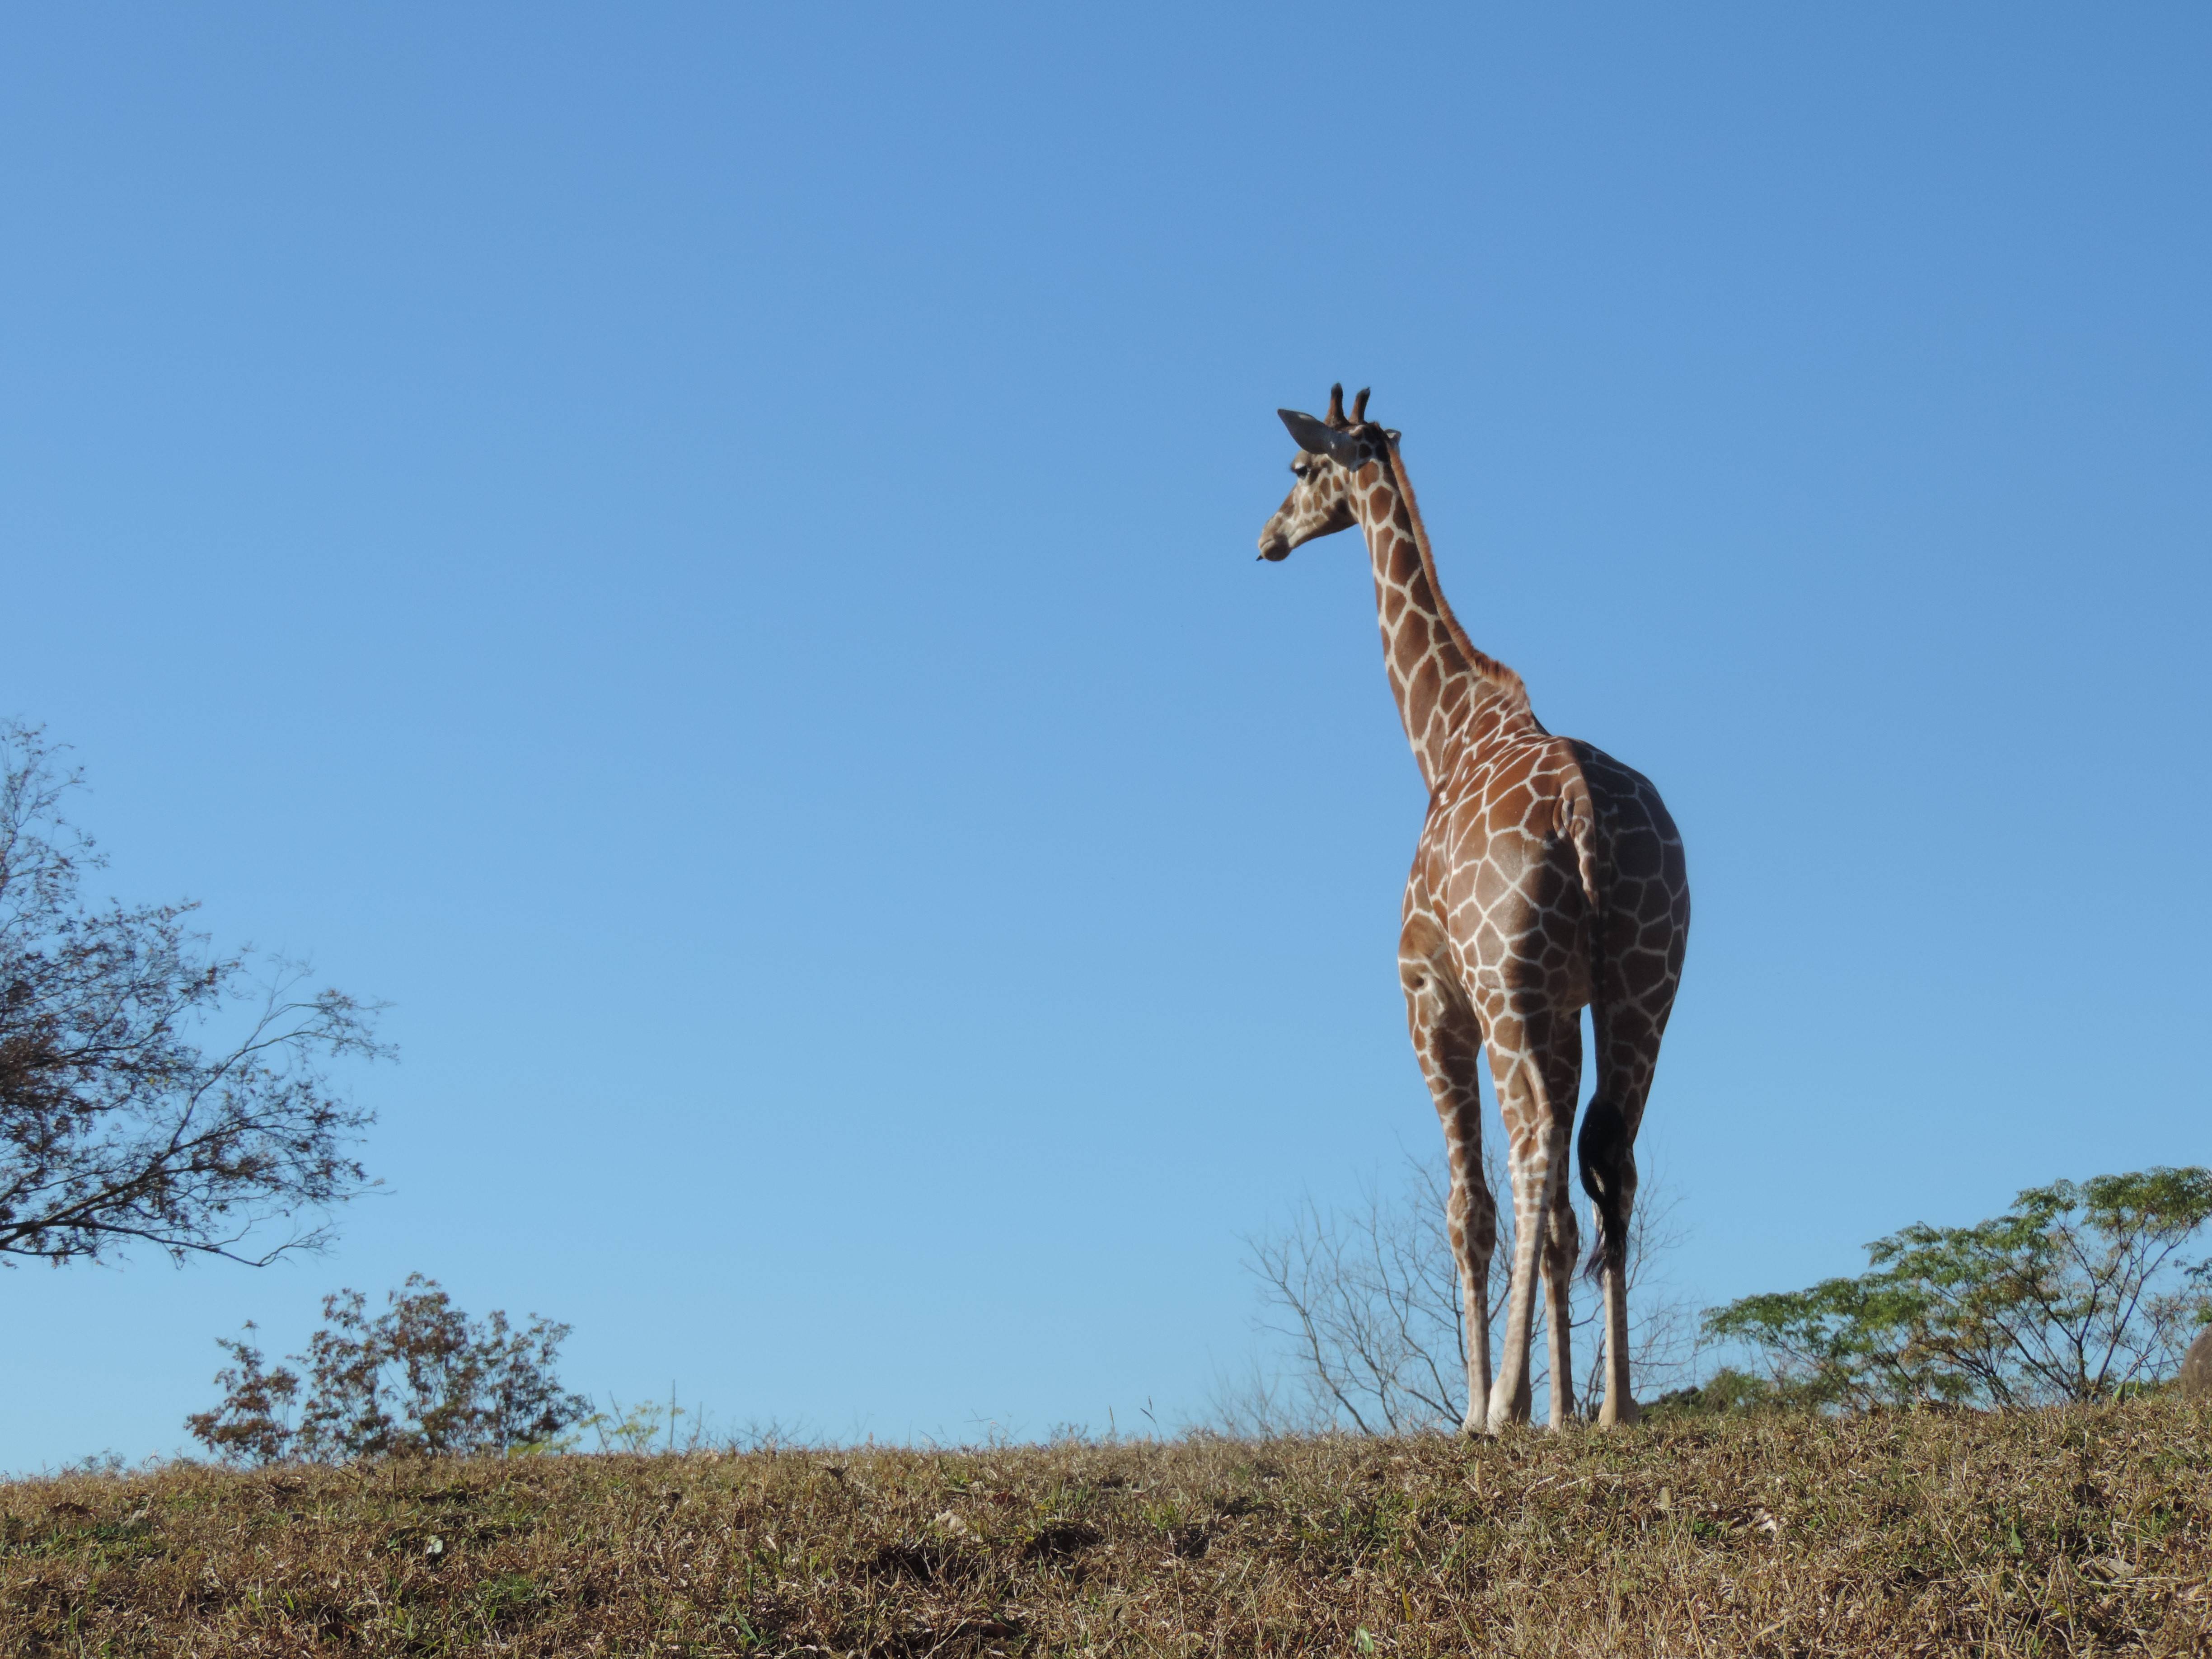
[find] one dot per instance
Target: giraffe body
(1548, 878)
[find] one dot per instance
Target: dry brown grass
(2065, 1532)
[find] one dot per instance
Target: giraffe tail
(1608, 1172)
(1577, 822)
(1603, 1146)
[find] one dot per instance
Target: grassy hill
(2064, 1532)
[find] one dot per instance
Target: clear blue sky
(706, 555)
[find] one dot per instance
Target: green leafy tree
(420, 1379)
(2078, 1292)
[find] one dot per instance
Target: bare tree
(1365, 1304)
(150, 1091)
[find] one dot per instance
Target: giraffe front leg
(1448, 1042)
(1471, 1218)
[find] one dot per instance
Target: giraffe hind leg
(1560, 1247)
(1638, 948)
(1448, 1042)
(1628, 1052)
(1535, 1062)
(1607, 1159)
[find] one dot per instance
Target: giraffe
(1548, 877)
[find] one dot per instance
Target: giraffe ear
(1317, 438)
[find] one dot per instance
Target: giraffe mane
(1508, 682)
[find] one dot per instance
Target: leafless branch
(1363, 1305)
(152, 1092)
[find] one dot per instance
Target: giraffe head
(1330, 450)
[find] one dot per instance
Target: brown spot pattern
(1548, 877)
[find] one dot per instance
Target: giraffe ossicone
(1548, 878)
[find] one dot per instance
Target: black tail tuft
(1608, 1168)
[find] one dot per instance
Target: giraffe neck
(1452, 698)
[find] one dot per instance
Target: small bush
(1727, 1393)
(421, 1378)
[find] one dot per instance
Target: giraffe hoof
(1627, 1415)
